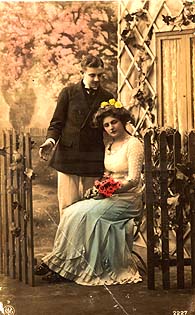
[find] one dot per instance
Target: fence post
(10, 193)
(192, 204)
(1, 201)
(164, 210)
(23, 212)
(29, 210)
(179, 214)
(5, 228)
(149, 210)
(16, 208)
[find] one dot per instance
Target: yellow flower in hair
(118, 104)
(112, 101)
(104, 104)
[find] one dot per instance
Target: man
(79, 152)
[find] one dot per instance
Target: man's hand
(45, 149)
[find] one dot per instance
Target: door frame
(186, 67)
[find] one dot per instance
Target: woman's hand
(126, 185)
(106, 174)
(91, 193)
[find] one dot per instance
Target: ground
(72, 299)
(46, 217)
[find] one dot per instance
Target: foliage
(141, 95)
(132, 20)
(42, 44)
(186, 17)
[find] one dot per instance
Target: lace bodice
(126, 161)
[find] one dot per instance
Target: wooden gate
(170, 204)
(16, 217)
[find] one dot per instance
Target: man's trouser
(72, 188)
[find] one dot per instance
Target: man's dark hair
(91, 62)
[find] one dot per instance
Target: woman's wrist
(125, 186)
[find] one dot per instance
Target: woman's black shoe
(41, 270)
(53, 277)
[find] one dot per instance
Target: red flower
(107, 186)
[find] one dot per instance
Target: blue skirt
(90, 246)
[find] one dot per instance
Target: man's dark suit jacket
(80, 149)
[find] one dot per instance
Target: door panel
(175, 80)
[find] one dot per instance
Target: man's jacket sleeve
(59, 117)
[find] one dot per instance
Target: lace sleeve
(135, 156)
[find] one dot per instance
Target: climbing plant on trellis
(138, 57)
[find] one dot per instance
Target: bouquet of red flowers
(107, 186)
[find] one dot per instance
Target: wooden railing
(168, 176)
(16, 215)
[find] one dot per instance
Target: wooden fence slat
(179, 216)
(16, 207)
(192, 205)
(164, 210)
(149, 209)
(29, 211)
(22, 212)
(17, 213)
(1, 208)
(10, 192)
(1, 224)
(5, 208)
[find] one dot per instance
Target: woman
(90, 246)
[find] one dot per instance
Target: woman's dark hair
(121, 114)
(91, 62)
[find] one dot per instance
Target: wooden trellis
(16, 217)
(125, 48)
(129, 56)
(137, 53)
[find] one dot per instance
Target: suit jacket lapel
(80, 97)
(95, 105)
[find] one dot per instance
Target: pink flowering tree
(43, 42)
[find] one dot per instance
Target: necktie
(90, 91)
